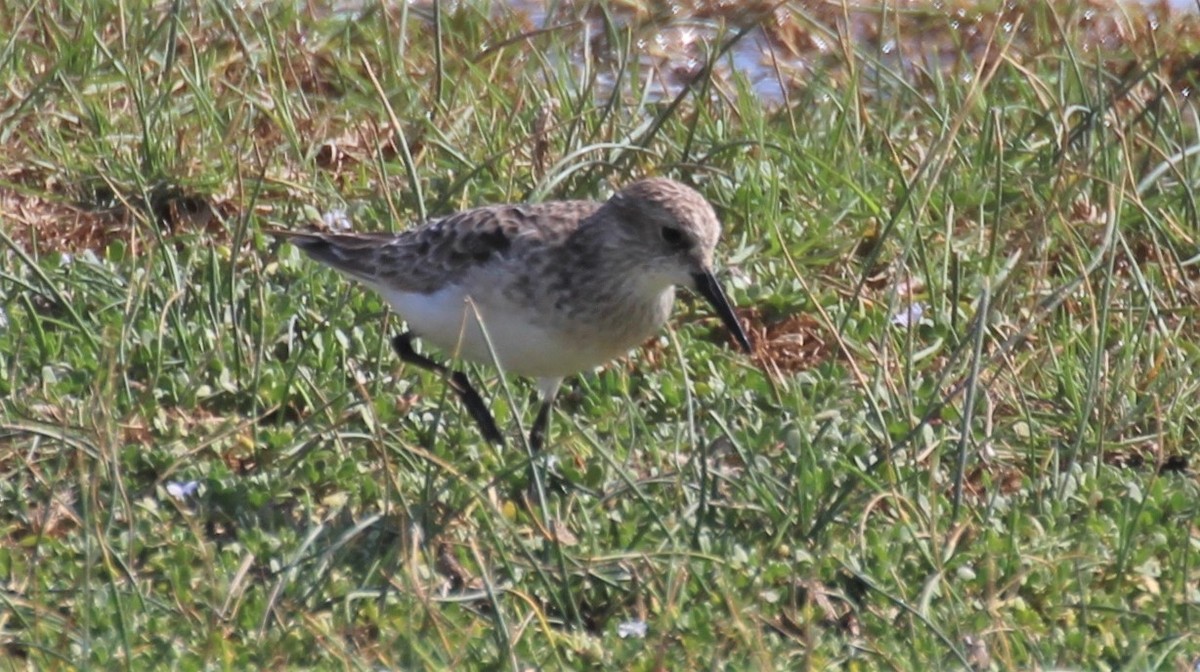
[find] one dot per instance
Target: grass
(1008, 482)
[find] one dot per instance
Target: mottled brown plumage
(442, 250)
(544, 290)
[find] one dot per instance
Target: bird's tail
(355, 254)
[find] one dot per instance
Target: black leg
(537, 435)
(542, 478)
(458, 382)
(548, 389)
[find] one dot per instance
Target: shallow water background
(775, 49)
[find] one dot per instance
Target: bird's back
(442, 251)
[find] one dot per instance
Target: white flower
(336, 220)
(182, 491)
(634, 628)
(910, 315)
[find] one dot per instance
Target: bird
(543, 290)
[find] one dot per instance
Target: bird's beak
(708, 287)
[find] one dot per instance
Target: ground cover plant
(963, 242)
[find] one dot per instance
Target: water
(785, 49)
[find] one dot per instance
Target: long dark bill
(708, 287)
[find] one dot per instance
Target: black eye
(671, 235)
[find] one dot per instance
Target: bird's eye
(671, 235)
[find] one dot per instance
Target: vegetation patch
(962, 240)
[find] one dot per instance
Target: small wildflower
(977, 653)
(634, 628)
(182, 491)
(336, 220)
(910, 315)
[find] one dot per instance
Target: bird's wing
(426, 258)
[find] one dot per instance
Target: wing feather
(443, 250)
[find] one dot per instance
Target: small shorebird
(543, 290)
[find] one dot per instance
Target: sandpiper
(543, 290)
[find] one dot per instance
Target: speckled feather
(441, 251)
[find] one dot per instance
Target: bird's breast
(530, 335)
